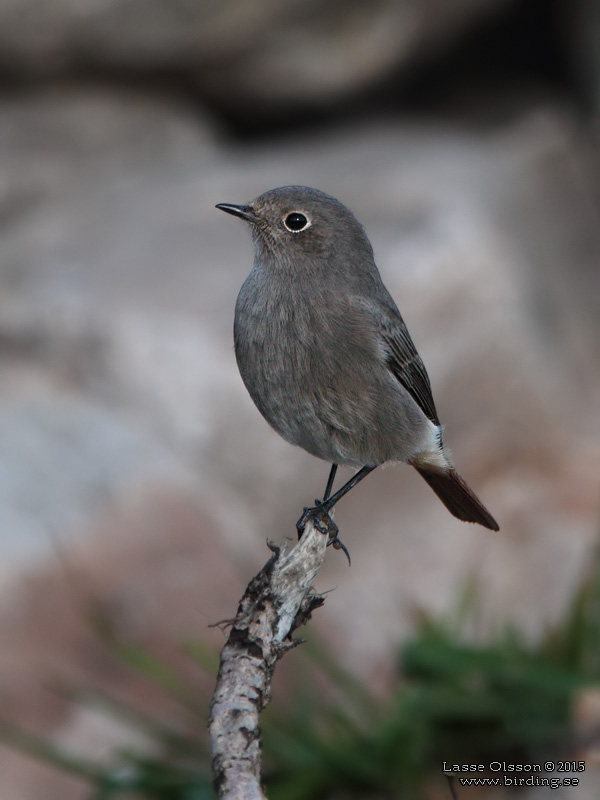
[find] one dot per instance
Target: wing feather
(405, 364)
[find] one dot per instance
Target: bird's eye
(296, 222)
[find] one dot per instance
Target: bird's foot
(320, 518)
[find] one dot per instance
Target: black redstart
(326, 356)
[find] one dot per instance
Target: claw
(337, 544)
(324, 524)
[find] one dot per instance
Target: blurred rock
(124, 426)
(63, 462)
(314, 53)
(583, 32)
(150, 576)
(118, 283)
(266, 53)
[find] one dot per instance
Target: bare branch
(275, 603)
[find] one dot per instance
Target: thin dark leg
(320, 512)
(330, 481)
(329, 503)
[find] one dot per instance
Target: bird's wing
(405, 364)
(393, 339)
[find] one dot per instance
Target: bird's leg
(323, 522)
(328, 504)
(322, 507)
(320, 512)
(330, 481)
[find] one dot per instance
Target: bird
(326, 355)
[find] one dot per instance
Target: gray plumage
(324, 351)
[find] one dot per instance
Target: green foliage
(330, 736)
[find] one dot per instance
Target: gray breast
(320, 379)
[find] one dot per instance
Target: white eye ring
(296, 221)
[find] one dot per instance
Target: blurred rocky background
(136, 477)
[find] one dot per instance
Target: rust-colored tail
(458, 497)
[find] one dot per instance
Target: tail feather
(457, 496)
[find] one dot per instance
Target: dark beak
(245, 212)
